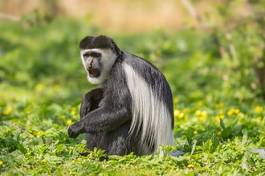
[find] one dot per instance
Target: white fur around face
(148, 111)
(107, 60)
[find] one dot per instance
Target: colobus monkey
(132, 110)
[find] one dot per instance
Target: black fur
(106, 112)
(154, 78)
(101, 41)
(106, 117)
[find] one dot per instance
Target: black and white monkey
(132, 110)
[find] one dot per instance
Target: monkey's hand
(75, 129)
(90, 101)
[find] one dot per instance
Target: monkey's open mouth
(94, 72)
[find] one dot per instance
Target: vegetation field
(218, 101)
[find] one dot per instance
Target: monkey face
(97, 63)
(98, 55)
(92, 63)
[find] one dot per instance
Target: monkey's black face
(92, 61)
(97, 63)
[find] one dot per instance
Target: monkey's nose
(94, 72)
(94, 68)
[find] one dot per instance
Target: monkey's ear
(85, 42)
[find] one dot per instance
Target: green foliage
(219, 118)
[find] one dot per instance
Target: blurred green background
(211, 52)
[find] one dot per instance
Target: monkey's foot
(177, 153)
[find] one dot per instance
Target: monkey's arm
(107, 117)
(90, 101)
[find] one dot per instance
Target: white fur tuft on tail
(148, 111)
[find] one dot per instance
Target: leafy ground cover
(219, 115)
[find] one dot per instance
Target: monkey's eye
(86, 55)
(95, 54)
(92, 54)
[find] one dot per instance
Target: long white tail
(148, 111)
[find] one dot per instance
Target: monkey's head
(98, 55)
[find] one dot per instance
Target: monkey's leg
(94, 140)
(119, 142)
(118, 147)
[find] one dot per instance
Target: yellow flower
(8, 110)
(221, 116)
(190, 166)
(178, 114)
(1, 162)
(201, 115)
(69, 122)
(199, 103)
(258, 109)
(233, 112)
(73, 111)
(39, 87)
(40, 133)
(218, 117)
(55, 88)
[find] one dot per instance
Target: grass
(218, 120)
